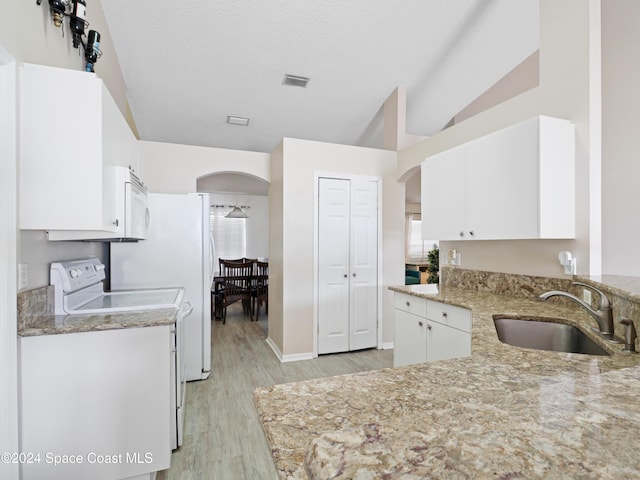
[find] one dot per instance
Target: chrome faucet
(603, 315)
(629, 335)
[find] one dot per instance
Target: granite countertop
(504, 412)
(36, 317)
(55, 324)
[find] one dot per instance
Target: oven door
(136, 210)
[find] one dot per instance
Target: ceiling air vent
(235, 120)
(295, 80)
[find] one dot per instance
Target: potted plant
(434, 265)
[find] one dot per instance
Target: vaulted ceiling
(188, 65)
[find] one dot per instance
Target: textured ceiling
(187, 65)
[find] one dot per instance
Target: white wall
(28, 33)
(300, 161)
(8, 255)
(174, 168)
(568, 88)
(620, 146)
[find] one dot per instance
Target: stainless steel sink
(557, 337)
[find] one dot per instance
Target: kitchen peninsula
(503, 412)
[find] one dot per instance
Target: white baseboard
(275, 348)
(387, 346)
(295, 357)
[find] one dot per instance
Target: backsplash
(622, 292)
(32, 304)
(502, 283)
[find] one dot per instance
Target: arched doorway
(230, 189)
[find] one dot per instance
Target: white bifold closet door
(347, 264)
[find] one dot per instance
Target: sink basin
(554, 336)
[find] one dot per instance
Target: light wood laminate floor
(223, 438)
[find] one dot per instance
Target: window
(416, 248)
(229, 237)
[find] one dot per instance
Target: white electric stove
(79, 290)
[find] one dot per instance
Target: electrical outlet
(453, 257)
(586, 295)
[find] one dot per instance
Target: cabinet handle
(428, 327)
(471, 233)
(345, 275)
(408, 304)
(462, 234)
(116, 222)
(444, 314)
(354, 274)
(420, 323)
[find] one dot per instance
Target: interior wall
(8, 271)
(301, 161)
(277, 245)
(620, 127)
(27, 32)
(174, 168)
(31, 36)
(522, 78)
(569, 81)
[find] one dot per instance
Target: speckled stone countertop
(55, 324)
(505, 412)
(35, 317)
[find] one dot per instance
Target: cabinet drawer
(450, 315)
(411, 304)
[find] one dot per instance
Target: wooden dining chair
(236, 279)
(260, 289)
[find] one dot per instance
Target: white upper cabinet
(516, 183)
(71, 133)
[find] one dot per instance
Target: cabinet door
(446, 342)
(444, 184)
(502, 189)
(410, 344)
(60, 149)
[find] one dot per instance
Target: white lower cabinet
(426, 331)
(94, 405)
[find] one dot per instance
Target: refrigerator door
(175, 254)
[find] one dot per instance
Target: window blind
(229, 237)
(415, 245)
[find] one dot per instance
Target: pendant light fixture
(236, 213)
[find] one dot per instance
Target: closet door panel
(363, 321)
(333, 265)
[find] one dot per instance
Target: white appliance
(126, 205)
(178, 251)
(79, 290)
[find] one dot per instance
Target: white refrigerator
(177, 253)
